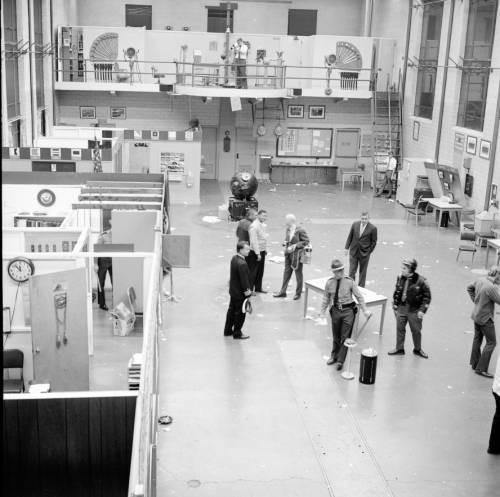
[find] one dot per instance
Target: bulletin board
(305, 142)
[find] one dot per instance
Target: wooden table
(353, 174)
(442, 207)
(493, 243)
(371, 298)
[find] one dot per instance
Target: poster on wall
(55, 153)
(14, 152)
(173, 164)
(76, 153)
(459, 142)
(34, 153)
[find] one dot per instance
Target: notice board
(305, 142)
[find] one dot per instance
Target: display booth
(71, 349)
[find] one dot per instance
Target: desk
(353, 174)
(298, 173)
(34, 221)
(441, 207)
(371, 298)
(493, 243)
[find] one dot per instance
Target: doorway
(346, 147)
(209, 153)
(246, 146)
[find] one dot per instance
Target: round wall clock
(20, 269)
(279, 130)
(46, 197)
(261, 130)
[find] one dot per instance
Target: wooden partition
(63, 445)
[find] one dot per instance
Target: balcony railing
(263, 75)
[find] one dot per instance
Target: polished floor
(267, 417)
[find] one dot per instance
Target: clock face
(20, 269)
(46, 197)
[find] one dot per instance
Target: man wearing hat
(339, 292)
(411, 300)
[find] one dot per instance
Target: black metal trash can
(368, 366)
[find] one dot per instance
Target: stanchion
(350, 344)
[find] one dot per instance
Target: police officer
(339, 292)
(103, 266)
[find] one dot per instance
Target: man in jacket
(239, 290)
(243, 228)
(360, 243)
(339, 292)
(411, 300)
(494, 445)
(295, 240)
(484, 292)
(258, 245)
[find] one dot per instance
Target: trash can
(368, 366)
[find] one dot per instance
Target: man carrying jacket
(485, 293)
(411, 300)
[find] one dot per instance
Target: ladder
(387, 127)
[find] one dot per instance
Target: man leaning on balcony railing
(240, 50)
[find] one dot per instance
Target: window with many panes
(38, 30)
(217, 19)
(477, 63)
(428, 59)
(11, 58)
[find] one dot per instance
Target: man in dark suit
(360, 243)
(295, 240)
(239, 290)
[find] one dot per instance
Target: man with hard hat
(339, 292)
(411, 300)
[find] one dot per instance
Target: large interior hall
(250, 248)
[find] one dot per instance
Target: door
(346, 147)
(58, 303)
(209, 153)
(246, 146)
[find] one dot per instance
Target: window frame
(148, 7)
(221, 10)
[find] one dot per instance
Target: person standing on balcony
(389, 173)
(240, 61)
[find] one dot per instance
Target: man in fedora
(339, 293)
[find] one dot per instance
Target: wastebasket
(368, 366)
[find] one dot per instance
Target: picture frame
(34, 153)
(317, 111)
(76, 153)
(87, 112)
(459, 142)
(295, 111)
(118, 112)
(484, 149)
(471, 145)
(416, 130)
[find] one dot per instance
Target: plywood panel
(176, 250)
(65, 367)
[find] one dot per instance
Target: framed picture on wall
(416, 130)
(87, 112)
(295, 111)
(459, 142)
(471, 145)
(317, 111)
(484, 149)
(118, 112)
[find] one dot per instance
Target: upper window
(138, 16)
(477, 63)
(11, 59)
(428, 59)
(302, 22)
(217, 19)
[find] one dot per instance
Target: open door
(59, 328)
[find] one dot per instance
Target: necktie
(336, 296)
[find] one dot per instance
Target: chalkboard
(305, 142)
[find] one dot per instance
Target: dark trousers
(481, 360)
(241, 73)
(287, 274)
(342, 324)
(362, 262)
(387, 184)
(494, 445)
(104, 265)
(404, 316)
(235, 317)
(256, 268)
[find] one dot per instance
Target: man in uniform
(103, 266)
(411, 300)
(339, 292)
(239, 290)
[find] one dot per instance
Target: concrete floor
(267, 417)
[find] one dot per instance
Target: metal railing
(271, 75)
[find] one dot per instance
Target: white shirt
(496, 381)
(292, 232)
(258, 237)
(241, 52)
(361, 228)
